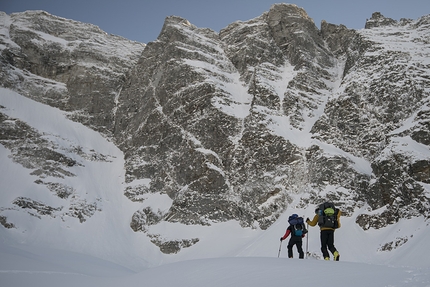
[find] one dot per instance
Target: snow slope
(105, 251)
(227, 271)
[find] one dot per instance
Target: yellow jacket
(314, 222)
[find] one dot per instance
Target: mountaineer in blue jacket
(297, 230)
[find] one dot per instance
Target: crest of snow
(161, 202)
(5, 22)
(407, 146)
(360, 164)
(53, 121)
(235, 100)
(410, 122)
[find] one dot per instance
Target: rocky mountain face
(242, 124)
(66, 64)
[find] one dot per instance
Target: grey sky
(142, 20)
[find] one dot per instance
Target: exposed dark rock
(5, 223)
(174, 246)
(32, 205)
(389, 246)
(143, 218)
(82, 210)
(378, 20)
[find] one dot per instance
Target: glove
(281, 238)
(307, 220)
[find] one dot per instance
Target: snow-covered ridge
(71, 35)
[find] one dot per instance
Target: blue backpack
(297, 225)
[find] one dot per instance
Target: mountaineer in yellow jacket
(328, 219)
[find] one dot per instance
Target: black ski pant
(295, 240)
(327, 241)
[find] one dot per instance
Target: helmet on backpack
(297, 225)
(292, 217)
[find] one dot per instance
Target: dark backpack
(297, 225)
(327, 215)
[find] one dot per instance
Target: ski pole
(307, 240)
(280, 245)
